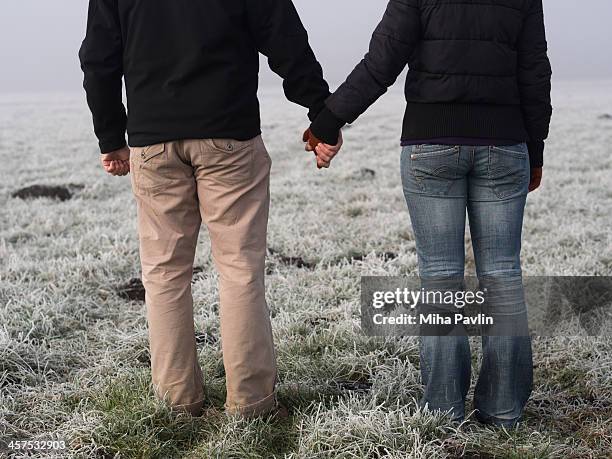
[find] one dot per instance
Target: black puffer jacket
(477, 69)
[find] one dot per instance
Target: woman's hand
(536, 179)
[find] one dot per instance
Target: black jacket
(477, 69)
(191, 67)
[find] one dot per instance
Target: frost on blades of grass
(74, 362)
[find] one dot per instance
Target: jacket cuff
(536, 153)
(326, 127)
(315, 110)
(109, 145)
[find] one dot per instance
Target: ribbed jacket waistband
(422, 121)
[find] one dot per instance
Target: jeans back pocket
(509, 170)
(435, 167)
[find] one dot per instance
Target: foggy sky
(39, 39)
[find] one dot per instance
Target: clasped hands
(324, 153)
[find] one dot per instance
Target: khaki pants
(224, 183)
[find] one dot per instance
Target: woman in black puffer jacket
(477, 114)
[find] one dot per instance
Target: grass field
(73, 348)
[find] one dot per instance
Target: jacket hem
(423, 121)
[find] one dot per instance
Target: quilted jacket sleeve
(534, 75)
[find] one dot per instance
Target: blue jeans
(440, 182)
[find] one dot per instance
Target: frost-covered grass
(73, 353)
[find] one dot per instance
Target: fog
(39, 40)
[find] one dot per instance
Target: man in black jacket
(191, 76)
(478, 111)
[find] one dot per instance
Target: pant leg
(234, 188)
(168, 225)
(497, 196)
(435, 188)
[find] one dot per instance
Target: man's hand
(117, 162)
(324, 152)
(536, 179)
